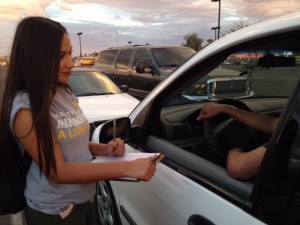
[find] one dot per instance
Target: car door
(172, 198)
(121, 72)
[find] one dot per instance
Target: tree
(209, 41)
(238, 26)
(193, 41)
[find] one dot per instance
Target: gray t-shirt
(71, 128)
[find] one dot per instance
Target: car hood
(105, 107)
(167, 72)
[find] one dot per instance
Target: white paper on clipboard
(126, 157)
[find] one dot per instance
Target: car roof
(145, 46)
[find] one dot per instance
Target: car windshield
(172, 57)
(88, 83)
(247, 74)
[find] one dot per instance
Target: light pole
(79, 34)
(219, 16)
(117, 38)
(215, 29)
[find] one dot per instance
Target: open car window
(260, 75)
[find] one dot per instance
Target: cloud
(13, 10)
(152, 21)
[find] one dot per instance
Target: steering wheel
(223, 133)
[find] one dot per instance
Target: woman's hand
(115, 148)
(143, 168)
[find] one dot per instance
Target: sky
(112, 23)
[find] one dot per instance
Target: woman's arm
(113, 148)
(75, 172)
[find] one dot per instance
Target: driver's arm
(258, 121)
(244, 165)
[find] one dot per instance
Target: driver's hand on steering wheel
(210, 110)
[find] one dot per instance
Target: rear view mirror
(116, 128)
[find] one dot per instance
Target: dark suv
(141, 67)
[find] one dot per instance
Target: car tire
(106, 208)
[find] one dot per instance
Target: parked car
(191, 185)
(85, 61)
(99, 98)
(141, 67)
(221, 83)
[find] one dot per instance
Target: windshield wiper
(94, 93)
(267, 96)
(106, 93)
(170, 65)
(87, 94)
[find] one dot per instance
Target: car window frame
(276, 167)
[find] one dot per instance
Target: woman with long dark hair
(41, 114)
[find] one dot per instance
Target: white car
(99, 98)
(191, 185)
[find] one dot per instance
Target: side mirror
(116, 128)
(244, 73)
(124, 88)
(140, 66)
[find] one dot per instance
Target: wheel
(106, 208)
(223, 133)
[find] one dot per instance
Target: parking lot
(269, 81)
(17, 219)
(273, 83)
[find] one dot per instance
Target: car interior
(199, 149)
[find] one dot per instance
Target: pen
(158, 159)
(114, 133)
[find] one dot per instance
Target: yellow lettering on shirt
(61, 135)
(71, 135)
(76, 131)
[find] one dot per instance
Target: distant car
(191, 184)
(99, 98)
(86, 61)
(141, 67)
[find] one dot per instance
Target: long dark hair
(34, 67)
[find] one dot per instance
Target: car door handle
(199, 220)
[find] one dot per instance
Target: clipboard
(129, 157)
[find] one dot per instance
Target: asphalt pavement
(17, 219)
